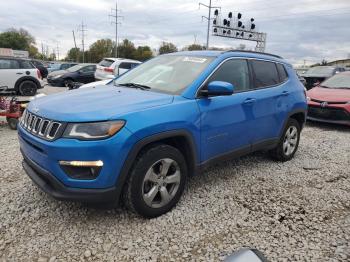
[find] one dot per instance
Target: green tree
(126, 49)
(143, 53)
(33, 51)
(195, 47)
(167, 47)
(100, 49)
(73, 54)
(16, 39)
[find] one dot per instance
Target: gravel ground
(294, 211)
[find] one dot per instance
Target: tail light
(39, 74)
(107, 69)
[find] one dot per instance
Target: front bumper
(333, 113)
(52, 186)
(55, 82)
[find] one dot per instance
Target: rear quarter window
(106, 62)
(26, 65)
(282, 72)
(265, 73)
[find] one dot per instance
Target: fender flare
(128, 163)
(295, 111)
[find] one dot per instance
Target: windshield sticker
(194, 59)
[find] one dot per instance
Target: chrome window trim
(241, 58)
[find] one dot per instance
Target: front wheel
(12, 122)
(156, 181)
(27, 88)
(288, 143)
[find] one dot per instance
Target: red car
(330, 101)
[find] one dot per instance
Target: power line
(210, 7)
(82, 29)
(116, 16)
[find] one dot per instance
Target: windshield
(338, 81)
(169, 74)
(320, 70)
(75, 68)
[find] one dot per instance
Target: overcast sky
(298, 30)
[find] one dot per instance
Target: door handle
(19, 73)
(285, 93)
(249, 101)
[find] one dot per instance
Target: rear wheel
(289, 142)
(12, 122)
(156, 181)
(27, 88)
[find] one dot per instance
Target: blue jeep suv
(139, 138)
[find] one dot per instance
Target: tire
(150, 192)
(68, 83)
(27, 88)
(288, 143)
(12, 122)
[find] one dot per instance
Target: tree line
(21, 39)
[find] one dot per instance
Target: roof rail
(253, 52)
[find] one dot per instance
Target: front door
(226, 120)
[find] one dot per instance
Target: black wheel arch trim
(25, 78)
(296, 111)
(136, 149)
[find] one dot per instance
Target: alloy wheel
(290, 140)
(161, 183)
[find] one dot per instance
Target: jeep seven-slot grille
(41, 127)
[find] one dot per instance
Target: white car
(20, 76)
(109, 68)
(97, 83)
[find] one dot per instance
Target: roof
(232, 53)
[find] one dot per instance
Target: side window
(26, 64)
(5, 64)
(125, 65)
(282, 72)
(265, 73)
(88, 69)
(234, 71)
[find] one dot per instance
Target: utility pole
(76, 49)
(82, 29)
(58, 52)
(116, 16)
(210, 7)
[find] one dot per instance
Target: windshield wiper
(135, 85)
(324, 86)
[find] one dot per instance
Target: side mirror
(218, 88)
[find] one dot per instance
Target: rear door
(270, 100)
(226, 120)
(10, 72)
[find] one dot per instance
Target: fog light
(86, 170)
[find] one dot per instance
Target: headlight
(93, 131)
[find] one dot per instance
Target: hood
(96, 104)
(329, 94)
(58, 72)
